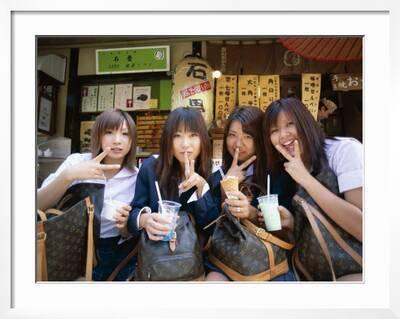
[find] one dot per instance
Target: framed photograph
(376, 296)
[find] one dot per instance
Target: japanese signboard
(311, 89)
(132, 60)
(346, 82)
(123, 97)
(193, 86)
(106, 97)
(269, 90)
(89, 98)
(248, 90)
(225, 100)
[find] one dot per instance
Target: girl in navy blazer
(182, 171)
(244, 157)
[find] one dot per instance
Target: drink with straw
(269, 207)
(169, 209)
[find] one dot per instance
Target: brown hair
(251, 119)
(168, 168)
(112, 120)
(309, 132)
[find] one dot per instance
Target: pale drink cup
(110, 208)
(269, 207)
(170, 209)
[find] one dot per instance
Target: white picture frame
(21, 297)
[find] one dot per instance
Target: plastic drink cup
(269, 207)
(110, 208)
(169, 209)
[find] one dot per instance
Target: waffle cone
(230, 184)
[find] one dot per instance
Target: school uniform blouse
(204, 209)
(120, 187)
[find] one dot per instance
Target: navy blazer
(204, 210)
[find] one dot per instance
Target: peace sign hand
(238, 170)
(91, 169)
(191, 177)
(295, 166)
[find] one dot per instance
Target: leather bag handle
(318, 235)
(333, 232)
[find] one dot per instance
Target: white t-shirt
(345, 158)
(120, 187)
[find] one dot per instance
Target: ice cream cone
(230, 184)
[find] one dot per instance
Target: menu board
(141, 97)
(269, 90)
(89, 98)
(311, 89)
(123, 97)
(248, 90)
(225, 101)
(106, 98)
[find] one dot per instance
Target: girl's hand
(121, 220)
(287, 219)
(155, 224)
(191, 178)
(91, 169)
(238, 170)
(240, 207)
(295, 166)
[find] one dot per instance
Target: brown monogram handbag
(323, 251)
(65, 243)
(245, 252)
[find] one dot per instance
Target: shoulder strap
(123, 263)
(266, 236)
(333, 232)
(90, 243)
(317, 233)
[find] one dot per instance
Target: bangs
(189, 121)
(113, 121)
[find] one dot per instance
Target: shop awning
(329, 49)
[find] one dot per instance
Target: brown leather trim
(264, 235)
(299, 266)
(90, 241)
(54, 211)
(123, 263)
(336, 236)
(318, 235)
(279, 269)
(42, 215)
(271, 256)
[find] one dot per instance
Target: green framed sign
(133, 60)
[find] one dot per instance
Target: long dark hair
(168, 168)
(309, 132)
(251, 119)
(113, 120)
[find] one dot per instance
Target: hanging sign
(311, 89)
(346, 82)
(193, 86)
(225, 100)
(269, 90)
(132, 60)
(248, 90)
